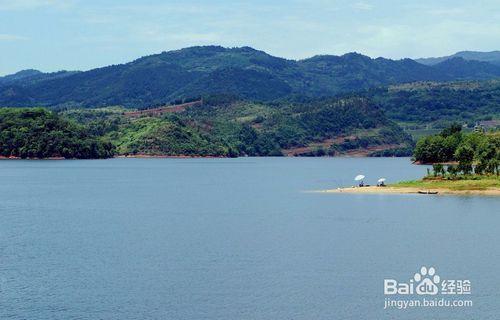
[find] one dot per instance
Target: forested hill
(38, 133)
(439, 104)
(228, 127)
(30, 76)
(245, 72)
(222, 126)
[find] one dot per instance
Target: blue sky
(52, 35)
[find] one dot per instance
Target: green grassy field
(471, 182)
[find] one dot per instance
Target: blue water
(232, 239)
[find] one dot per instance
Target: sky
(52, 35)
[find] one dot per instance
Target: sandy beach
(409, 190)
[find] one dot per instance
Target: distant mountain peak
(23, 74)
(211, 49)
(27, 72)
(354, 54)
(460, 53)
(247, 48)
(492, 57)
(31, 75)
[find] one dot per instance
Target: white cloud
(14, 5)
(448, 12)
(155, 33)
(442, 38)
(195, 37)
(11, 37)
(362, 6)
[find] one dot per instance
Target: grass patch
(471, 182)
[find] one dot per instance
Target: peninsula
(462, 163)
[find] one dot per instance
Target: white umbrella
(381, 180)
(359, 177)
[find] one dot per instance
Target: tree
(485, 154)
(39, 133)
(438, 169)
(451, 130)
(452, 171)
(492, 166)
(465, 157)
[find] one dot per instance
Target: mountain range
(243, 72)
(492, 57)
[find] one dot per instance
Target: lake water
(232, 239)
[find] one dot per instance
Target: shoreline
(148, 156)
(19, 158)
(137, 156)
(410, 190)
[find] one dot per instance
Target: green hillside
(244, 72)
(225, 126)
(38, 133)
(433, 104)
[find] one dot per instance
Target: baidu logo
(426, 282)
(426, 289)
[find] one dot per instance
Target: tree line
(475, 152)
(39, 133)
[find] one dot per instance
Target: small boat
(427, 192)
